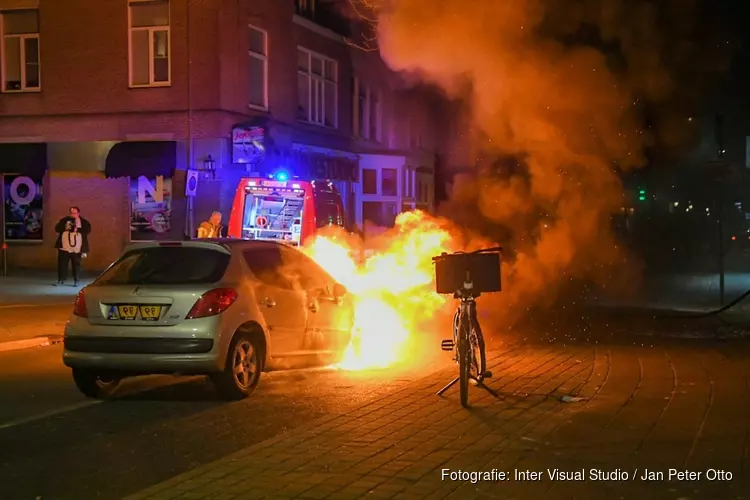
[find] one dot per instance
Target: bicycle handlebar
(481, 250)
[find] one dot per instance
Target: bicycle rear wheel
(464, 360)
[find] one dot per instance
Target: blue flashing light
(282, 176)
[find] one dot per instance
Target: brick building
(100, 98)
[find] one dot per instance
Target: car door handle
(268, 302)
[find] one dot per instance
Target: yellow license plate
(127, 312)
(150, 313)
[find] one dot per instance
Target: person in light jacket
(212, 228)
(72, 244)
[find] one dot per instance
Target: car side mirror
(339, 290)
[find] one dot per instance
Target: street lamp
(209, 167)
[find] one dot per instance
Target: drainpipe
(189, 218)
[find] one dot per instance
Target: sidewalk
(407, 445)
(33, 311)
(37, 288)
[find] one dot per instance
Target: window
(305, 8)
(379, 213)
(304, 271)
(149, 43)
(266, 264)
(389, 182)
(362, 111)
(167, 266)
(369, 181)
(258, 66)
(371, 211)
(21, 51)
(374, 116)
(367, 118)
(317, 89)
(390, 211)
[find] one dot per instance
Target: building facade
(109, 114)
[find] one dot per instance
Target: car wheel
(94, 385)
(242, 370)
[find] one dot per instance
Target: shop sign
(248, 144)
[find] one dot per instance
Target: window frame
(21, 54)
(323, 80)
(264, 59)
(150, 30)
(363, 121)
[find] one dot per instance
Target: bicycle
(468, 275)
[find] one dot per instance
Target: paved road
(682, 406)
(57, 445)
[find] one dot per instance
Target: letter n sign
(156, 191)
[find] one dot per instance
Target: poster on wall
(24, 203)
(151, 209)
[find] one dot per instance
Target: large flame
(392, 285)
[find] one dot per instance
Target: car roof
(234, 243)
(231, 244)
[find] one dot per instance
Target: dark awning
(24, 158)
(148, 158)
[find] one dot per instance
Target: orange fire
(393, 286)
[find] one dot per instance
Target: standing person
(211, 228)
(72, 244)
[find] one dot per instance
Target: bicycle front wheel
(464, 361)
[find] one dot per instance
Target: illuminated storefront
(150, 168)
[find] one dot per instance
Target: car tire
(242, 369)
(93, 385)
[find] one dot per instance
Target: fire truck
(284, 210)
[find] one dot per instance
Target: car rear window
(167, 266)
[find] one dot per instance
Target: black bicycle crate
(482, 268)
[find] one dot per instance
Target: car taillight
(79, 307)
(213, 302)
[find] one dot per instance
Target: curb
(44, 341)
(60, 303)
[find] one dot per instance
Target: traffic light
(641, 195)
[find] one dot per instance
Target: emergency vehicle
(279, 209)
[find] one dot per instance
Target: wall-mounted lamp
(209, 167)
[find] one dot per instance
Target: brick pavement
(677, 405)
